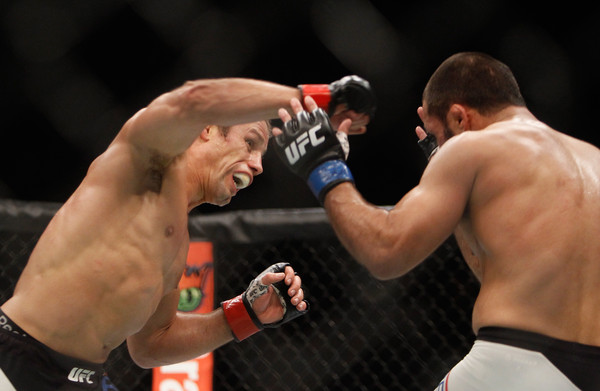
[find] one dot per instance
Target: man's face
(237, 159)
(435, 126)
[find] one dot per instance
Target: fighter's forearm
(171, 123)
(188, 336)
(373, 236)
(230, 101)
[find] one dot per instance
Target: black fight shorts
(28, 365)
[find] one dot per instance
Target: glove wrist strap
(319, 92)
(241, 319)
(326, 176)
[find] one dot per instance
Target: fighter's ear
(205, 134)
(458, 118)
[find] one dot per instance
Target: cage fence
(360, 333)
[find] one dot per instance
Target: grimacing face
(239, 152)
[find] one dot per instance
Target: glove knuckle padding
(319, 116)
(292, 127)
(307, 140)
(256, 288)
(355, 92)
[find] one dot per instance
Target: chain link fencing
(360, 333)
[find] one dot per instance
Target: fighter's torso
(106, 260)
(530, 233)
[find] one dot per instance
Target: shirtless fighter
(523, 201)
(107, 266)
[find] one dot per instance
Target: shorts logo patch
(6, 325)
(81, 375)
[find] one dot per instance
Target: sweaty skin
(107, 267)
(529, 229)
(523, 202)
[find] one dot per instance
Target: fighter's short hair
(473, 79)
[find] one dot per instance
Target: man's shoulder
(474, 144)
(490, 150)
(507, 137)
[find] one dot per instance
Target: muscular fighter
(106, 268)
(523, 201)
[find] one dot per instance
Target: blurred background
(73, 71)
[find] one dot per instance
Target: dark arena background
(73, 71)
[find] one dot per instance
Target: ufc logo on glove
(312, 149)
(297, 148)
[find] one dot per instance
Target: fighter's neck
(511, 113)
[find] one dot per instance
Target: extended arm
(171, 336)
(388, 243)
(273, 298)
(170, 123)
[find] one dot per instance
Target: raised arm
(387, 242)
(171, 122)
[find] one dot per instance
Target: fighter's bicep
(425, 220)
(439, 201)
(157, 130)
(447, 190)
(165, 127)
(159, 322)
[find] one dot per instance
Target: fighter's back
(533, 220)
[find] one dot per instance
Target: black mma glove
(429, 145)
(240, 315)
(352, 91)
(311, 148)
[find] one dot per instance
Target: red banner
(197, 296)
